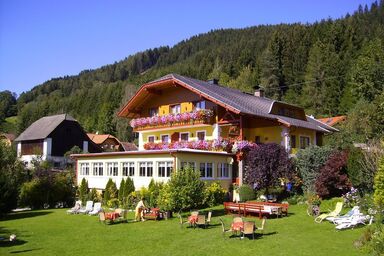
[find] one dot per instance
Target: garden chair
(181, 221)
(334, 213)
(96, 209)
(102, 217)
(354, 221)
(249, 229)
(75, 209)
(201, 221)
(355, 211)
(262, 227)
(208, 221)
(224, 230)
(88, 208)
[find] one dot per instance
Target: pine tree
(83, 191)
(121, 191)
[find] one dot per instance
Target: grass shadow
(8, 243)
(23, 251)
(23, 215)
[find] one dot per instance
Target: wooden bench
(284, 206)
(230, 207)
(253, 208)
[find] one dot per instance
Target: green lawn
(53, 232)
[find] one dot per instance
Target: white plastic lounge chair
(355, 211)
(334, 213)
(75, 209)
(354, 221)
(88, 208)
(96, 209)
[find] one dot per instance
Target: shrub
(332, 180)
(354, 167)
(183, 191)
(12, 175)
(47, 191)
(378, 186)
(213, 194)
(83, 191)
(309, 161)
(94, 195)
(129, 186)
(246, 193)
(154, 189)
(121, 192)
(352, 198)
(110, 191)
(266, 164)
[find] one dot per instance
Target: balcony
(202, 116)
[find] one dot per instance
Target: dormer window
(200, 105)
(153, 112)
(176, 109)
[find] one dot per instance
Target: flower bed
(170, 119)
(225, 145)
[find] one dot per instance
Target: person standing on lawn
(139, 211)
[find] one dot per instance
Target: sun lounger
(75, 209)
(96, 209)
(88, 208)
(334, 213)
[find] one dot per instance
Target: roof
(100, 138)
(43, 127)
(237, 101)
(332, 121)
(128, 146)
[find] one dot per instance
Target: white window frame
(156, 111)
(161, 138)
(206, 170)
(223, 170)
(127, 168)
(146, 165)
(205, 134)
(183, 133)
(113, 169)
(166, 172)
(176, 109)
(84, 169)
(151, 136)
(98, 169)
(307, 137)
(202, 102)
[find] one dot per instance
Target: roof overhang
(132, 108)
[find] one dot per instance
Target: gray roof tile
(41, 128)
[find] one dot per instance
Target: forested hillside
(330, 67)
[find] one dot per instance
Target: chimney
(259, 91)
(213, 81)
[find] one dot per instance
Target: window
(189, 164)
(146, 169)
(175, 109)
(113, 169)
(151, 138)
(304, 142)
(200, 105)
(200, 135)
(84, 169)
(153, 111)
(165, 169)
(129, 169)
(184, 136)
(206, 170)
(165, 138)
(293, 141)
(98, 169)
(223, 170)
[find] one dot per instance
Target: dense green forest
(330, 67)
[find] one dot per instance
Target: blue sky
(43, 39)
